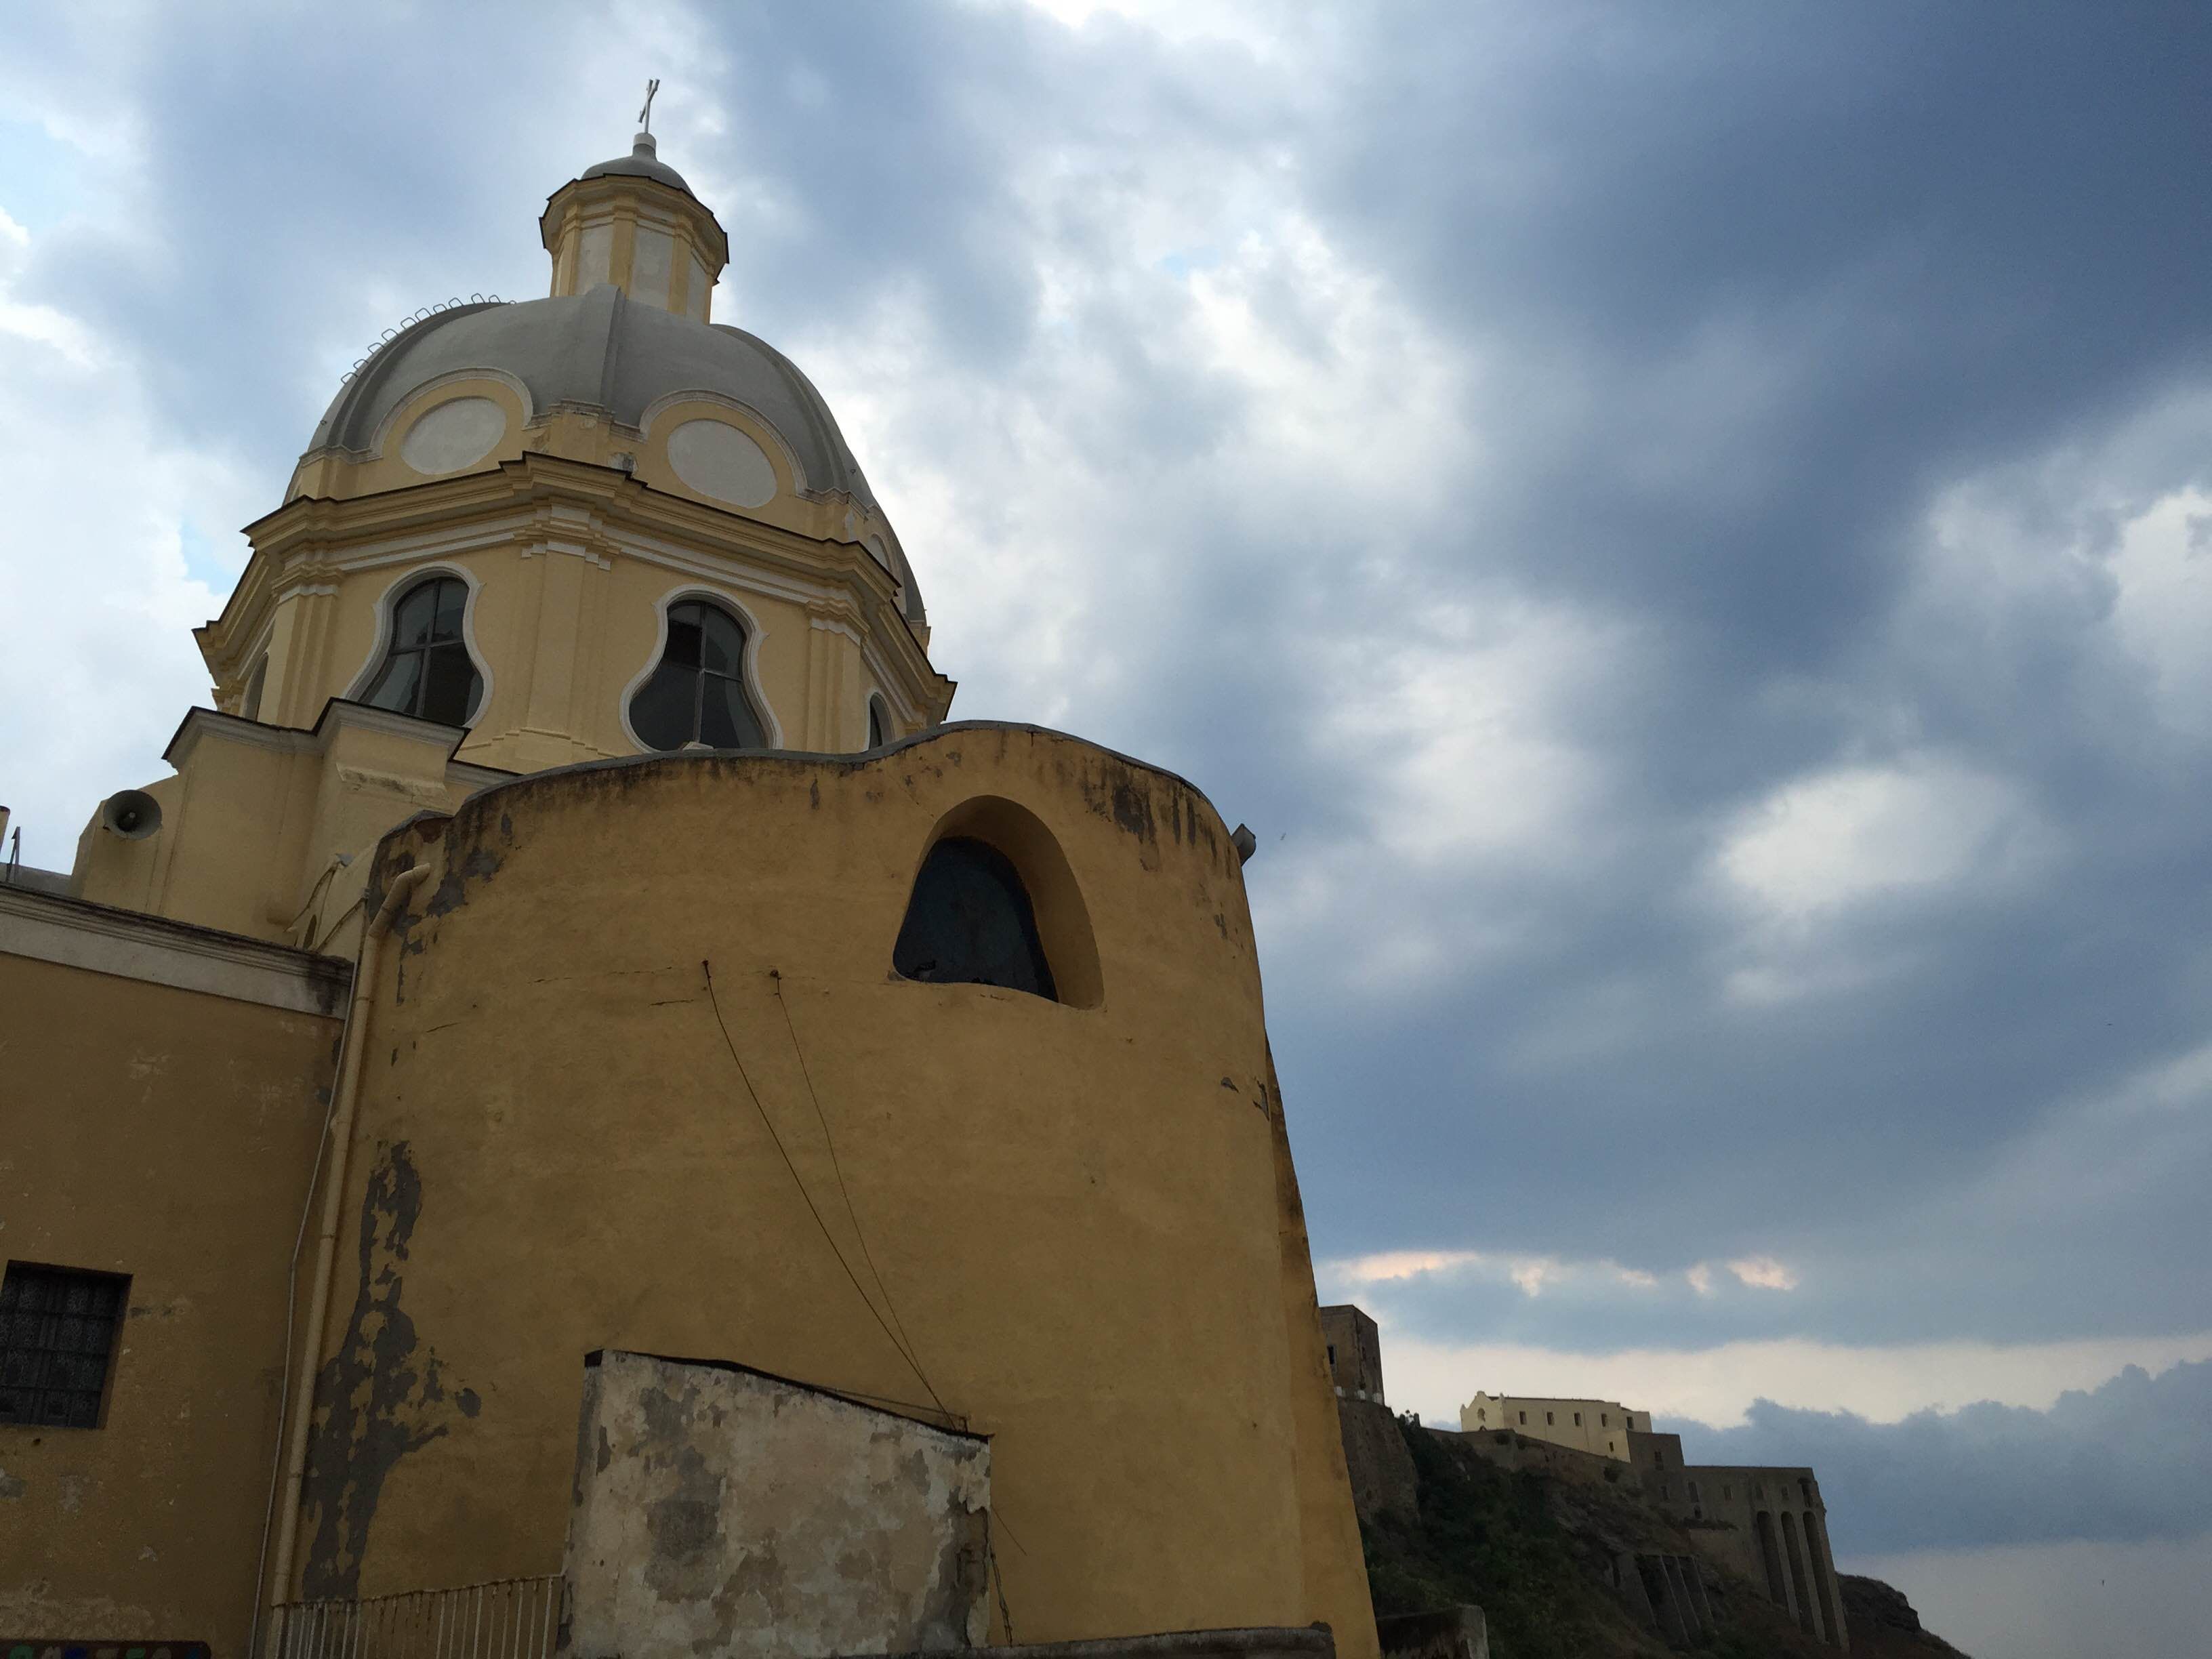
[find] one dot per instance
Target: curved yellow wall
(1084, 1217)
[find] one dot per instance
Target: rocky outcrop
(1884, 1624)
(1567, 1564)
(1383, 1479)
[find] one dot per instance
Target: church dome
(600, 351)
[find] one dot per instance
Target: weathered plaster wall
(1039, 1198)
(569, 560)
(718, 1510)
(166, 1134)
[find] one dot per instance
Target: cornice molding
(200, 725)
(73, 933)
(543, 503)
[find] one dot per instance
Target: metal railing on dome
(420, 314)
(502, 1619)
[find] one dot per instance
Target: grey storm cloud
(1763, 398)
(2127, 1460)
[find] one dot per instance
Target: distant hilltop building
(1765, 1525)
(1601, 1426)
(574, 929)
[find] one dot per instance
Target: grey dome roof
(602, 350)
(641, 163)
(605, 350)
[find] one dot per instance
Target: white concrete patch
(722, 1510)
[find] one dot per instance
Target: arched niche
(1062, 920)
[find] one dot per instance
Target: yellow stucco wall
(570, 563)
(1084, 1216)
(256, 818)
(165, 1134)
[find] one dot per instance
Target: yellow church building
(575, 925)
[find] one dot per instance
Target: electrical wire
(836, 1169)
(715, 1001)
(992, 1521)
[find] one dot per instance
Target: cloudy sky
(1685, 528)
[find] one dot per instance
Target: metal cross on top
(644, 115)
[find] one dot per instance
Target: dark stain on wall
(685, 1525)
(380, 1396)
(481, 865)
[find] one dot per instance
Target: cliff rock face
(1571, 1569)
(1883, 1623)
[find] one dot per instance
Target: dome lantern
(633, 223)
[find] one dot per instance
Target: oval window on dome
(453, 435)
(716, 459)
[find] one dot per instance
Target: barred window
(57, 1332)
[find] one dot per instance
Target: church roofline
(845, 761)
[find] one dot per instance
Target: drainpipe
(327, 1241)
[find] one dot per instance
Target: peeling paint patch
(381, 1395)
(481, 865)
(11, 1487)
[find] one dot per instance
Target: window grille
(56, 1333)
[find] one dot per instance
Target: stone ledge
(74, 932)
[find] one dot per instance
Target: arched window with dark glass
(969, 922)
(696, 691)
(879, 728)
(427, 671)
